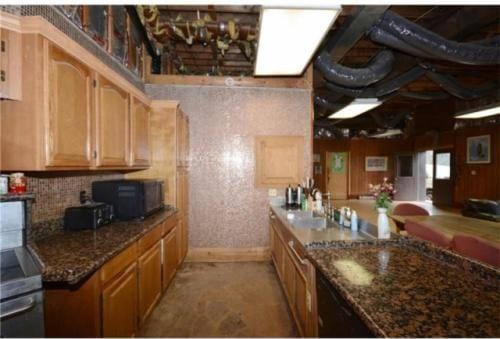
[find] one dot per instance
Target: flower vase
(384, 231)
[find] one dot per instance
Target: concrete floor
(222, 300)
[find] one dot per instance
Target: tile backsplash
(53, 195)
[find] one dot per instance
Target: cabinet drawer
(118, 263)
(169, 224)
(150, 238)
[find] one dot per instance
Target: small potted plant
(383, 193)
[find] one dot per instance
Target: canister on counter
(17, 183)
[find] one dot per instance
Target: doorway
(443, 177)
(429, 175)
(410, 177)
(337, 174)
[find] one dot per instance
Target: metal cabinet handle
(302, 261)
(24, 305)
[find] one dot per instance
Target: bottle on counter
(341, 217)
(354, 221)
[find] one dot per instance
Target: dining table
(450, 224)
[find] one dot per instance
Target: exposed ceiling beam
(353, 29)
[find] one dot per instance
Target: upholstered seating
(477, 248)
(427, 233)
(407, 209)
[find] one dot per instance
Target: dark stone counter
(68, 257)
(410, 288)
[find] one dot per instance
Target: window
(405, 165)
(443, 165)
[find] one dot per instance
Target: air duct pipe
(379, 90)
(376, 70)
(408, 36)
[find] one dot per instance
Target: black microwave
(131, 199)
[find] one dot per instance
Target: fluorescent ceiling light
(355, 108)
(288, 37)
(480, 112)
(388, 133)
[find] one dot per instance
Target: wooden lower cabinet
(117, 299)
(119, 305)
(297, 277)
(149, 280)
(170, 257)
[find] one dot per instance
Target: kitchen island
(396, 288)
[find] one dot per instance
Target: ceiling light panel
(355, 108)
(288, 37)
(480, 113)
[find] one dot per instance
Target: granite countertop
(68, 257)
(17, 196)
(321, 236)
(410, 288)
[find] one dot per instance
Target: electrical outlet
(272, 192)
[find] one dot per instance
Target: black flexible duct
(327, 104)
(432, 44)
(382, 37)
(377, 69)
(452, 86)
(379, 90)
(386, 122)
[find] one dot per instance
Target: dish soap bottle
(354, 221)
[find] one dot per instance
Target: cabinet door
(69, 118)
(119, 305)
(278, 253)
(279, 160)
(10, 64)
(289, 278)
(140, 127)
(169, 256)
(149, 280)
(301, 299)
(112, 125)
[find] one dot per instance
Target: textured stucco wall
(226, 210)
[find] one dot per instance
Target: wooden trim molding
(38, 25)
(303, 82)
(221, 254)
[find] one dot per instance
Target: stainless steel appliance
(88, 216)
(130, 198)
(21, 295)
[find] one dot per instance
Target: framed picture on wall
(375, 164)
(479, 149)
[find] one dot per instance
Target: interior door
(337, 175)
(410, 176)
(443, 179)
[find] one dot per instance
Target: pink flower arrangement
(383, 193)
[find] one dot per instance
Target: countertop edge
(72, 279)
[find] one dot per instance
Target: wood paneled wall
(472, 180)
(358, 149)
(477, 180)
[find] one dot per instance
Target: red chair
(427, 233)
(407, 209)
(477, 248)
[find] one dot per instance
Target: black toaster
(88, 216)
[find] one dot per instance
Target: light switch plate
(272, 192)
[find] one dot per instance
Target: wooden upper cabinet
(69, 116)
(279, 160)
(10, 64)
(140, 134)
(112, 121)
